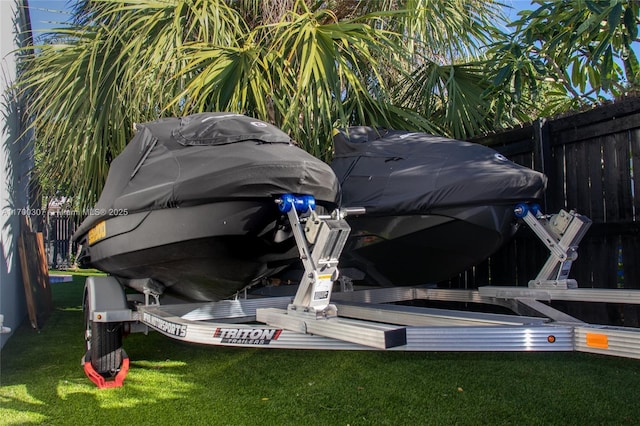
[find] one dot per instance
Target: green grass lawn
(174, 383)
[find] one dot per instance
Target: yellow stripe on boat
(98, 232)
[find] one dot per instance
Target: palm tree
(576, 53)
(306, 66)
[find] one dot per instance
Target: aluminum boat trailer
(328, 313)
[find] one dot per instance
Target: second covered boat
(434, 206)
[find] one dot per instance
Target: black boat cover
(399, 172)
(206, 157)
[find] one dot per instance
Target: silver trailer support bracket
(604, 295)
(561, 233)
(328, 237)
(320, 241)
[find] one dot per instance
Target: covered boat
(434, 206)
(189, 206)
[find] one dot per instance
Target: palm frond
(452, 96)
(116, 65)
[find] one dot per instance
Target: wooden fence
(592, 161)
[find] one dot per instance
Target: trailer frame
(328, 313)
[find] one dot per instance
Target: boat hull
(434, 206)
(205, 252)
(426, 248)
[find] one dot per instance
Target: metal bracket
(148, 294)
(328, 236)
(561, 233)
(320, 240)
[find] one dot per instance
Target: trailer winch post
(328, 237)
(320, 242)
(561, 233)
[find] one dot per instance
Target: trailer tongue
(318, 318)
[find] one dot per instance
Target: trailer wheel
(103, 342)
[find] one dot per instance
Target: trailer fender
(106, 295)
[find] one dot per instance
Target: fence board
(630, 275)
(583, 192)
(577, 133)
(573, 176)
(556, 188)
(634, 145)
(481, 275)
(604, 113)
(35, 276)
(596, 204)
(620, 142)
(611, 174)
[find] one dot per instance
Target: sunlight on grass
(158, 364)
(18, 393)
(67, 388)
(19, 396)
(14, 417)
(142, 387)
(71, 309)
